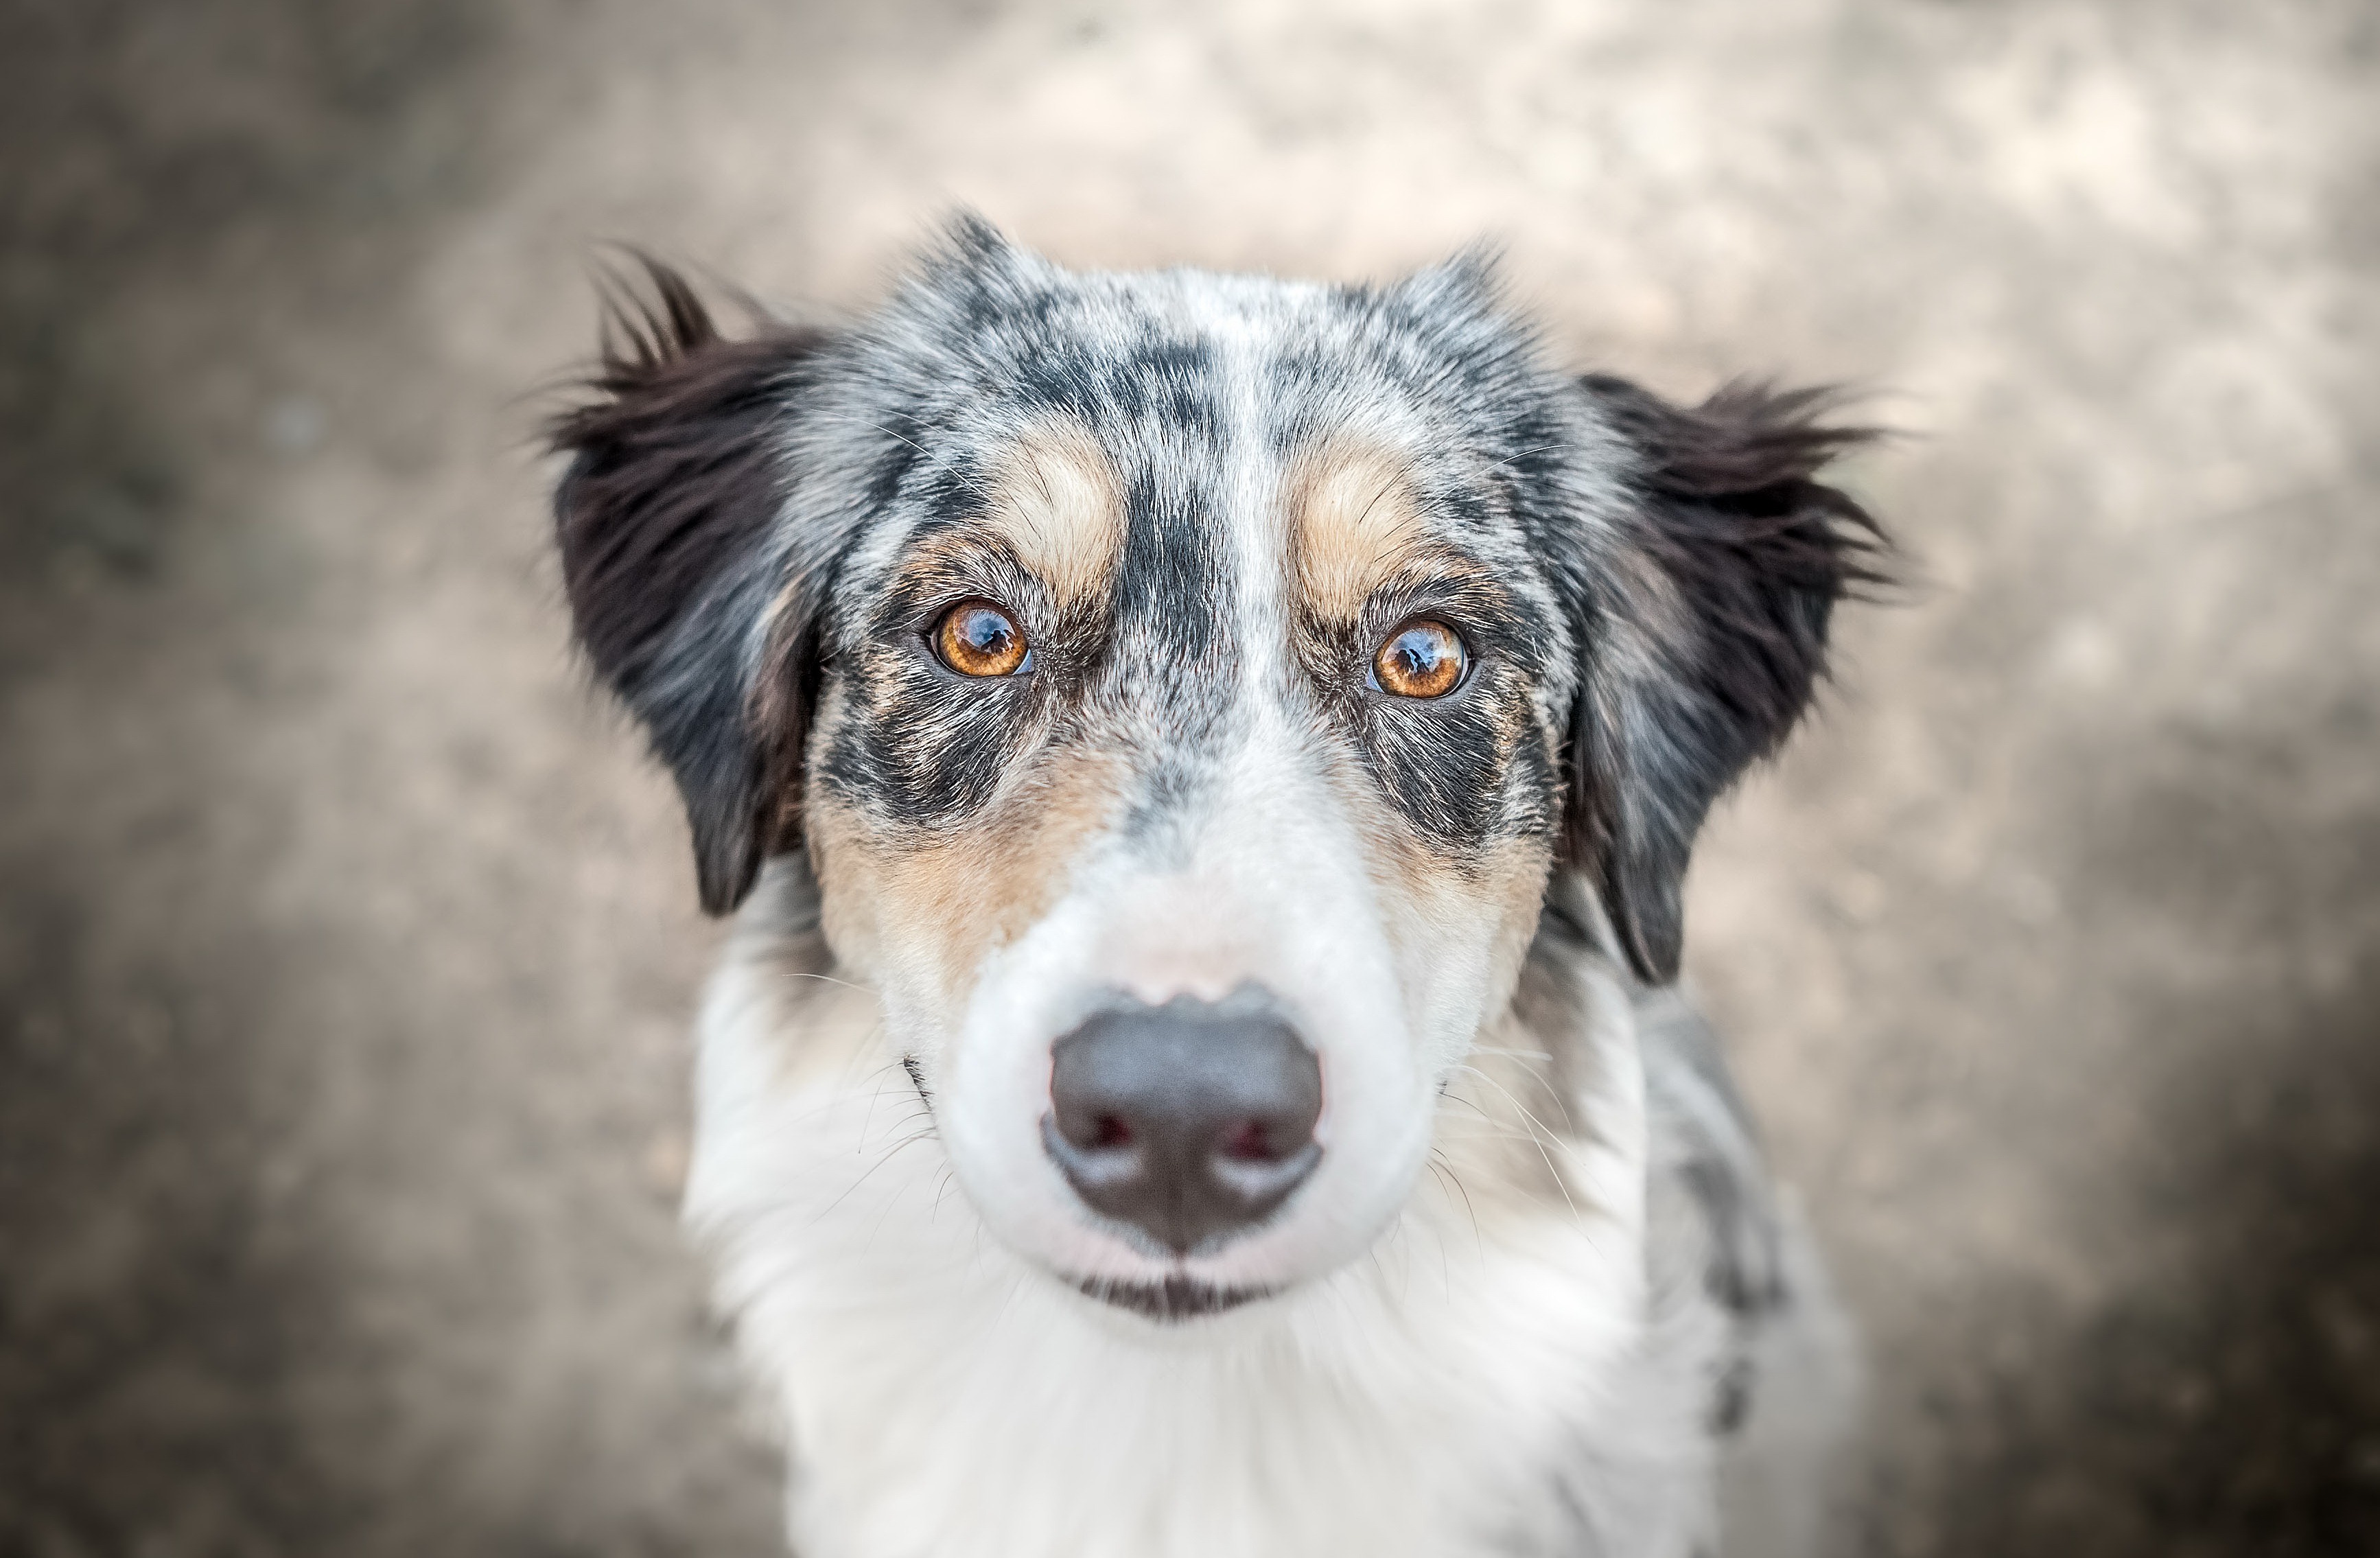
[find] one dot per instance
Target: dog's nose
(1189, 1121)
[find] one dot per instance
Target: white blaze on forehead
(1272, 890)
(1256, 530)
(1275, 860)
(1246, 524)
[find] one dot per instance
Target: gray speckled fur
(1643, 593)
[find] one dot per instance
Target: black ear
(666, 520)
(1707, 633)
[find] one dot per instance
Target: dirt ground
(346, 942)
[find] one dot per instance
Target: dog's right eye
(978, 638)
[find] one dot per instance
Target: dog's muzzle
(1190, 1121)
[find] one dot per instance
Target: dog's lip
(1170, 1299)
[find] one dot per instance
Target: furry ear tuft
(1739, 554)
(676, 479)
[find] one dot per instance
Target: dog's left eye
(978, 638)
(1422, 659)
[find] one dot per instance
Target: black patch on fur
(1440, 764)
(905, 437)
(674, 482)
(1174, 601)
(1170, 582)
(1756, 552)
(924, 746)
(1454, 766)
(1157, 382)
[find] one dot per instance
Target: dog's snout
(1189, 1121)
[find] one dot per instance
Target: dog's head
(1184, 687)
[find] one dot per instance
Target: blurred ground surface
(347, 944)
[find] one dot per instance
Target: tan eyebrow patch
(1056, 502)
(1354, 525)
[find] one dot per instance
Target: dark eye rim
(1397, 630)
(929, 636)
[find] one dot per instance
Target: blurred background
(348, 942)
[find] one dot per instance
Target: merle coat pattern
(1520, 1304)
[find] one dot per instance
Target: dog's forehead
(1193, 378)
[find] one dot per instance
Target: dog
(1204, 767)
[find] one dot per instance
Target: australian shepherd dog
(1203, 767)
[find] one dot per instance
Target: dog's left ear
(1706, 629)
(685, 589)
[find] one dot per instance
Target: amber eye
(978, 638)
(1422, 659)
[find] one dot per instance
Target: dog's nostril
(1216, 1106)
(1248, 1144)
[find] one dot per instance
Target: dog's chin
(1171, 1300)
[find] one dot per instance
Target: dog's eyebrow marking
(1354, 525)
(1056, 501)
(964, 895)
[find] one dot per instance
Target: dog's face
(1183, 687)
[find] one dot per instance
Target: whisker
(1473, 1133)
(826, 979)
(1445, 1270)
(1535, 1125)
(1569, 1125)
(887, 1157)
(848, 1078)
(1443, 1167)
(1524, 454)
(868, 1119)
(1386, 486)
(1535, 1062)
(969, 483)
(890, 1201)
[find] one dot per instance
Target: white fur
(1486, 1370)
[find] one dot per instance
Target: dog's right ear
(680, 591)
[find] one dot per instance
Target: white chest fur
(1488, 1380)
